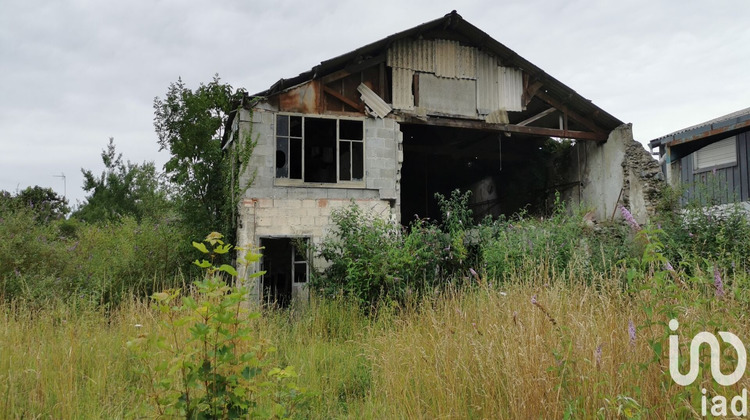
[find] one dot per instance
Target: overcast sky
(75, 73)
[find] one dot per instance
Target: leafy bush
(218, 371)
(103, 262)
(372, 259)
(695, 235)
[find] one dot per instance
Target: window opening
(288, 146)
(324, 150)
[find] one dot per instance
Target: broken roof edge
(456, 22)
(721, 125)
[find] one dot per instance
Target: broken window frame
(283, 175)
(299, 261)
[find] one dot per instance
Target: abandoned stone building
(434, 108)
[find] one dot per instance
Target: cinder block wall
(272, 210)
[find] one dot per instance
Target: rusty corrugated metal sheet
(488, 91)
(415, 55)
(401, 96)
(511, 89)
(303, 98)
(445, 58)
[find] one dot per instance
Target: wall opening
(286, 270)
(505, 174)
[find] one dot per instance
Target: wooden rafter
(537, 116)
(342, 98)
(587, 122)
(529, 91)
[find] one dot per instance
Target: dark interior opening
(320, 150)
(505, 174)
(277, 263)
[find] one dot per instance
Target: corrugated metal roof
(511, 89)
(470, 34)
(402, 80)
(735, 120)
(417, 55)
(488, 91)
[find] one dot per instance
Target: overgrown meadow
(524, 317)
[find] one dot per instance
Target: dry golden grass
(486, 352)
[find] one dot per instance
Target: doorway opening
(287, 270)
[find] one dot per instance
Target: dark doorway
(286, 269)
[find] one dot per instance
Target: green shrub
(373, 259)
(103, 262)
(219, 371)
(695, 235)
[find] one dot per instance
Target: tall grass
(477, 352)
(69, 361)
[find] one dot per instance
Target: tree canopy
(122, 189)
(43, 202)
(190, 124)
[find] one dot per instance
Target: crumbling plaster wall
(271, 210)
(619, 171)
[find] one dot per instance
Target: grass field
(481, 352)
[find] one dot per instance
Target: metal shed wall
(725, 185)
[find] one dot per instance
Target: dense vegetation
(520, 318)
(103, 315)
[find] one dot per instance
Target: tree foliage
(190, 125)
(43, 202)
(122, 189)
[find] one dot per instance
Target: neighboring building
(436, 107)
(710, 159)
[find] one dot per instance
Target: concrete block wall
(295, 217)
(269, 209)
(383, 140)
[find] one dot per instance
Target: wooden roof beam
(507, 128)
(588, 123)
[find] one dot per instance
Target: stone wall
(617, 172)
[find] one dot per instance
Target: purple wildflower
(631, 332)
(533, 300)
(473, 273)
(690, 234)
(714, 171)
(668, 266)
(718, 283)
(629, 218)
